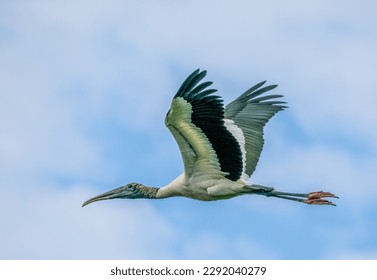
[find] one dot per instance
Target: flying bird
(220, 147)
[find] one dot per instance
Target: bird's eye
(132, 186)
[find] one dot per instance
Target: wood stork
(220, 147)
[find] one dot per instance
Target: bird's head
(132, 190)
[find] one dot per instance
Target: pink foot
(317, 198)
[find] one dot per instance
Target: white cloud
(341, 254)
(212, 245)
(49, 223)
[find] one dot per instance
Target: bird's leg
(309, 198)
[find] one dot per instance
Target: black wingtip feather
(191, 81)
(253, 88)
(266, 97)
(201, 87)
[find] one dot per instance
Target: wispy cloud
(48, 222)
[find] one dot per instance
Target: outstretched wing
(196, 120)
(250, 112)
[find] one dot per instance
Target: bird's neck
(172, 189)
(148, 192)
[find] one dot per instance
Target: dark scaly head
(131, 191)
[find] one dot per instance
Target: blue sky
(84, 89)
